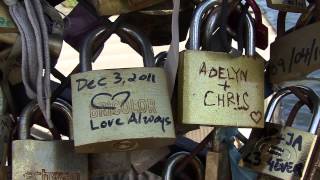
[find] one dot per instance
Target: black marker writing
(124, 94)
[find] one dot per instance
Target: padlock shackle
(315, 100)
(161, 58)
(212, 24)
(250, 44)
(196, 22)
(25, 120)
(172, 162)
(140, 38)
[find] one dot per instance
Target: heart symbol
(124, 94)
(256, 116)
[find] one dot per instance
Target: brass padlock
(297, 6)
(113, 7)
(282, 151)
(33, 159)
(295, 55)
(218, 88)
(121, 109)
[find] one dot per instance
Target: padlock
(113, 7)
(33, 159)
(223, 89)
(282, 151)
(300, 55)
(174, 160)
(155, 21)
(297, 6)
(121, 109)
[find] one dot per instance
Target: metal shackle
(161, 58)
(174, 160)
(196, 22)
(28, 111)
(212, 26)
(315, 100)
(143, 42)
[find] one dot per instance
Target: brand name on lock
(220, 86)
(45, 175)
(302, 54)
(284, 152)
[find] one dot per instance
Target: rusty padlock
(33, 159)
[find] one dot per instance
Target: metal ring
(173, 161)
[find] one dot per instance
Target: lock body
(279, 151)
(112, 7)
(295, 52)
(47, 159)
(288, 5)
(219, 89)
(121, 110)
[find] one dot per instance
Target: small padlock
(297, 6)
(223, 89)
(121, 109)
(33, 159)
(282, 151)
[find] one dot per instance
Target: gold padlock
(113, 7)
(218, 88)
(282, 151)
(295, 55)
(297, 6)
(33, 159)
(121, 109)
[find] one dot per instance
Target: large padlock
(121, 109)
(282, 151)
(223, 89)
(33, 159)
(112, 7)
(288, 5)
